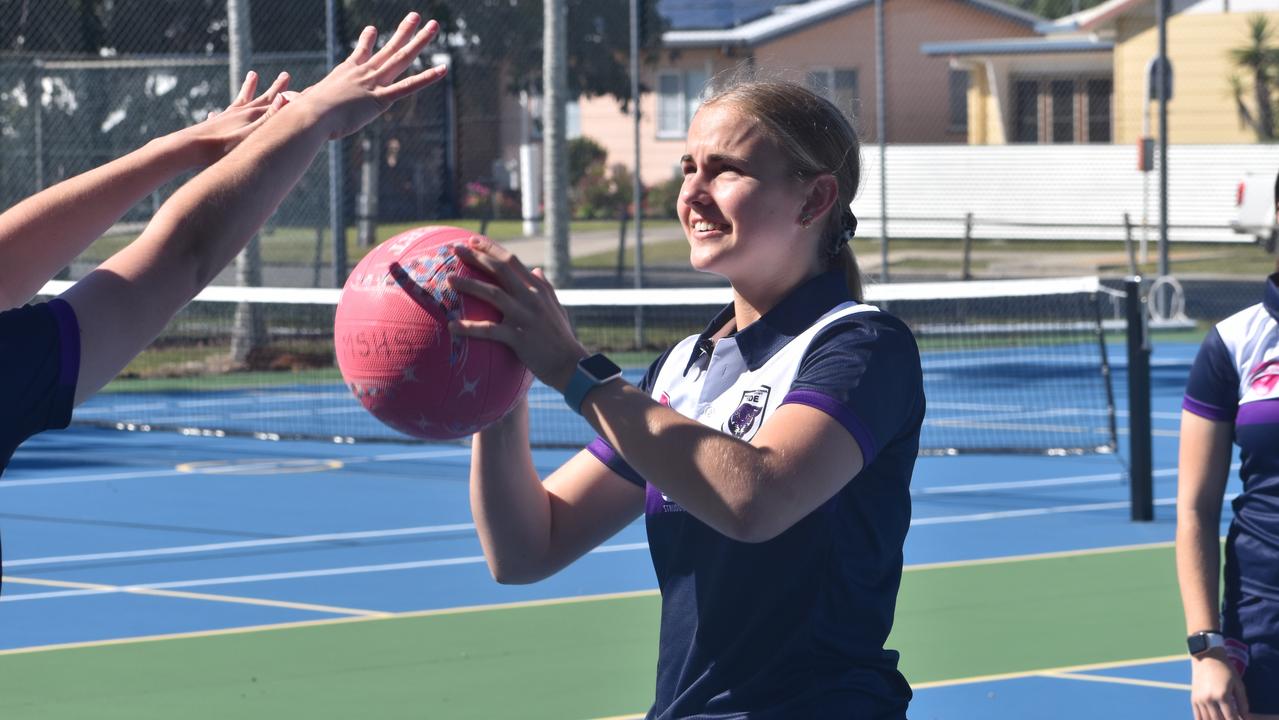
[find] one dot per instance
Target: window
(1026, 111)
(679, 94)
(839, 85)
(573, 119)
(1099, 93)
(1062, 110)
(959, 101)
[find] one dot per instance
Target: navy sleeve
(605, 453)
(39, 364)
(864, 371)
(1212, 391)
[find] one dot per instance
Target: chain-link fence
(1011, 130)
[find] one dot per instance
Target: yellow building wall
(1202, 109)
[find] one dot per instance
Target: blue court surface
(115, 535)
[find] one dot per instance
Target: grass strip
(587, 659)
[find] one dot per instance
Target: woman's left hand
(533, 324)
(218, 134)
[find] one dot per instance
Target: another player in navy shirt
(56, 355)
(1233, 395)
(771, 454)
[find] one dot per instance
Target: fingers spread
(402, 33)
(364, 46)
(487, 292)
(280, 85)
(247, 89)
(412, 84)
(404, 56)
(491, 258)
(481, 329)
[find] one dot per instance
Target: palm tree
(1260, 59)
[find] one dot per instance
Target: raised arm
(530, 529)
(42, 234)
(748, 491)
(123, 304)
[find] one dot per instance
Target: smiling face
(741, 205)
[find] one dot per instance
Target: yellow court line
(1042, 671)
(327, 621)
(594, 598)
(196, 596)
(1117, 680)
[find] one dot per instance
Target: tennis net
(1009, 366)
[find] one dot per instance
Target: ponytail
(846, 261)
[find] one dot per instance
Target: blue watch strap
(577, 388)
(590, 373)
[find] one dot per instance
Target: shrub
(583, 154)
(659, 199)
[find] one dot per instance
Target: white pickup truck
(1255, 209)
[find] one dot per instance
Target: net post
(965, 271)
(1141, 489)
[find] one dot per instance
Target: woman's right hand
(1217, 692)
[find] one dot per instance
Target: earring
(806, 219)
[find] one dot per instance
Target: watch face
(1197, 644)
(600, 367)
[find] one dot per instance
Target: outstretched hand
(534, 324)
(218, 134)
(364, 85)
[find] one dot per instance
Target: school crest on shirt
(749, 415)
(1263, 381)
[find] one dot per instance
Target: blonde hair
(817, 139)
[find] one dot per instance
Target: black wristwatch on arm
(591, 372)
(1201, 642)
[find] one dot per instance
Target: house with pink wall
(828, 44)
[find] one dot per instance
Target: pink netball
(395, 350)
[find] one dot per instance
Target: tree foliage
(508, 34)
(1259, 59)
(1053, 9)
(500, 33)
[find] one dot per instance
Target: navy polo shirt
(39, 364)
(1235, 379)
(793, 627)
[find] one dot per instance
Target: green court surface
(588, 657)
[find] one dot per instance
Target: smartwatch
(591, 372)
(1201, 642)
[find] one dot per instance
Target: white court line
(134, 407)
(477, 559)
(1035, 512)
(974, 407)
(129, 475)
(1047, 482)
(1018, 484)
(295, 575)
(242, 544)
(1111, 665)
(99, 477)
(1116, 680)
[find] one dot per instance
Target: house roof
(1091, 19)
(1019, 46)
(785, 18)
(713, 14)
